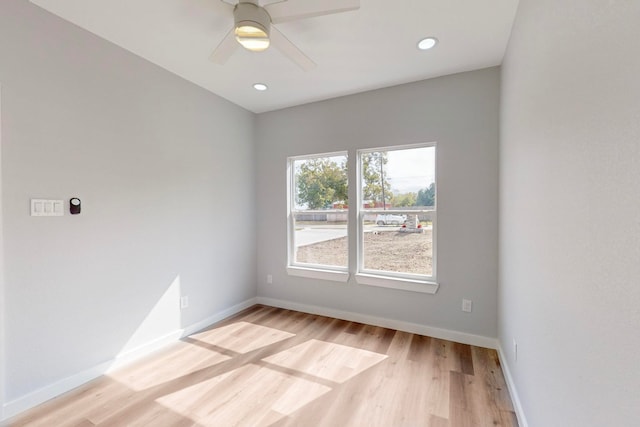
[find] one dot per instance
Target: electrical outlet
(466, 305)
(269, 279)
(184, 302)
(515, 350)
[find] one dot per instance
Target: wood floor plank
(272, 367)
(490, 371)
(419, 349)
(463, 352)
(461, 406)
(383, 337)
(354, 328)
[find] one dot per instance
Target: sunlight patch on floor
(333, 362)
(183, 359)
(242, 337)
(250, 395)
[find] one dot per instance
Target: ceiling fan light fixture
(252, 38)
(427, 43)
(252, 25)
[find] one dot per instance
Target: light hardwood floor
(274, 367)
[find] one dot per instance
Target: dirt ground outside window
(383, 250)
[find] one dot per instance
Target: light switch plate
(45, 207)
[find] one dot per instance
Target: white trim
(424, 286)
(133, 354)
(446, 334)
(511, 386)
(17, 406)
(396, 211)
(399, 147)
(217, 317)
(50, 391)
(316, 273)
(318, 155)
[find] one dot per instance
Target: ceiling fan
(254, 31)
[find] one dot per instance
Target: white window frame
(390, 279)
(314, 271)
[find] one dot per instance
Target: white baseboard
(37, 397)
(192, 329)
(17, 406)
(513, 392)
(447, 334)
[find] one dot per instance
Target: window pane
(320, 211)
(396, 186)
(403, 178)
(321, 242)
(407, 248)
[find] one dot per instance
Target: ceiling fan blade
(290, 50)
(301, 9)
(225, 49)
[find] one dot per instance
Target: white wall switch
(43, 207)
(269, 279)
(466, 305)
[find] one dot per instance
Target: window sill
(316, 273)
(411, 285)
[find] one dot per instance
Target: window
(397, 217)
(318, 217)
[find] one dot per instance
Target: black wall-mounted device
(74, 206)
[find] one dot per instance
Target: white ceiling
(369, 48)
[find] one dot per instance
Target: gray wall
(460, 113)
(570, 211)
(155, 160)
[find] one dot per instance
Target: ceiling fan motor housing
(248, 14)
(253, 30)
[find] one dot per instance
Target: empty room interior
(320, 213)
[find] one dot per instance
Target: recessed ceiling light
(260, 86)
(427, 43)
